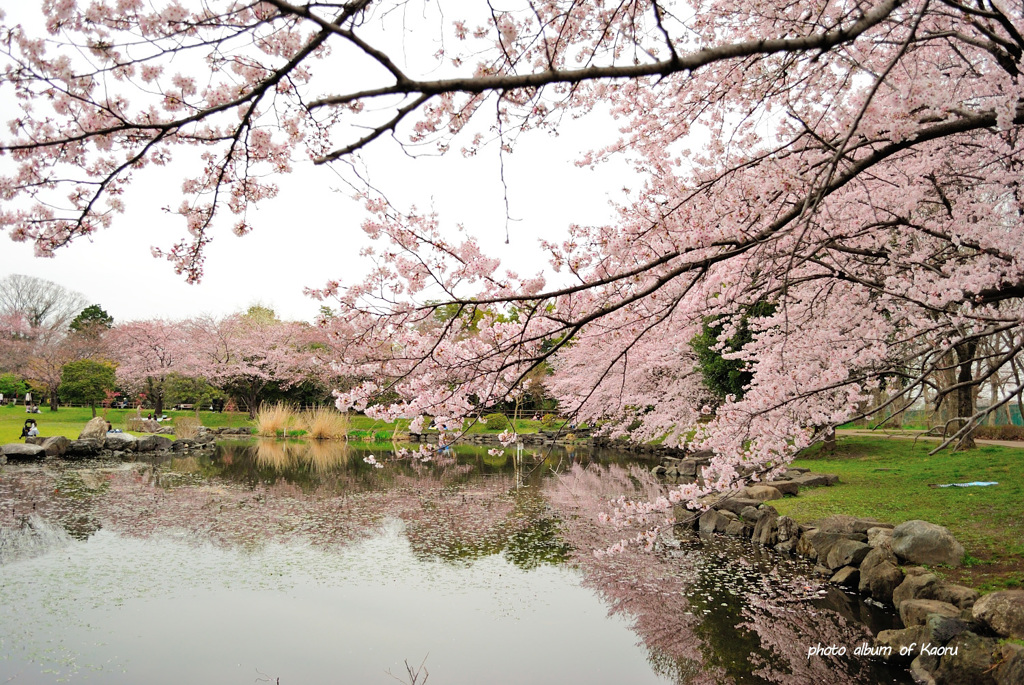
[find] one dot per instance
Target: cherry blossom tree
(49, 351)
(855, 163)
(34, 336)
(247, 354)
(148, 353)
(14, 332)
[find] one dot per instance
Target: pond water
(292, 562)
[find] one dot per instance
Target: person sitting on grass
(29, 429)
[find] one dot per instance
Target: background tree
(12, 386)
(92, 318)
(249, 355)
(39, 345)
(87, 381)
(722, 372)
(43, 304)
(194, 390)
(51, 350)
(147, 353)
(14, 342)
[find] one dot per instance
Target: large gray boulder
(848, 576)
(762, 493)
(154, 443)
(846, 553)
(788, 534)
(939, 629)
(1010, 670)
(920, 542)
(876, 556)
(736, 504)
(880, 581)
(738, 529)
(905, 643)
(786, 487)
(813, 479)
(879, 535)
(1002, 611)
(17, 451)
(914, 612)
(959, 595)
(971, 660)
(712, 521)
(766, 531)
(821, 541)
(126, 442)
(849, 525)
(55, 446)
(805, 545)
(915, 586)
(95, 430)
(81, 448)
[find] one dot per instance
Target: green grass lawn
(889, 478)
(69, 421)
(360, 422)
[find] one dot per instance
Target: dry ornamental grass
(275, 419)
(325, 423)
(187, 427)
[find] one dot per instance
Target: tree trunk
(92, 405)
(828, 446)
(53, 400)
(965, 393)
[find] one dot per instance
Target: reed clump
(187, 427)
(275, 419)
(134, 424)
(325, 423)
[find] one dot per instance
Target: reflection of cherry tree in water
(712, 612)
(66, 497)
(231, 501)
(707, 613)
(786, 632)
(477, 519)
(456, 523)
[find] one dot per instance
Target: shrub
(134, 424)
(12, 385)
(187, 427)
(325, 423)
(497, 422)
(548, 421)
(999, 432)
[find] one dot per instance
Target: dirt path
(911, 435)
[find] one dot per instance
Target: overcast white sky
(311, 232)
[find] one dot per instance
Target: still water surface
(303, 563)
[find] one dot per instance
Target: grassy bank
(69, 421)
(363, 425)
(889, 479)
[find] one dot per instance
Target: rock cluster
(531, 439)
(95, 441)
(952, 635)
(687, 469)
